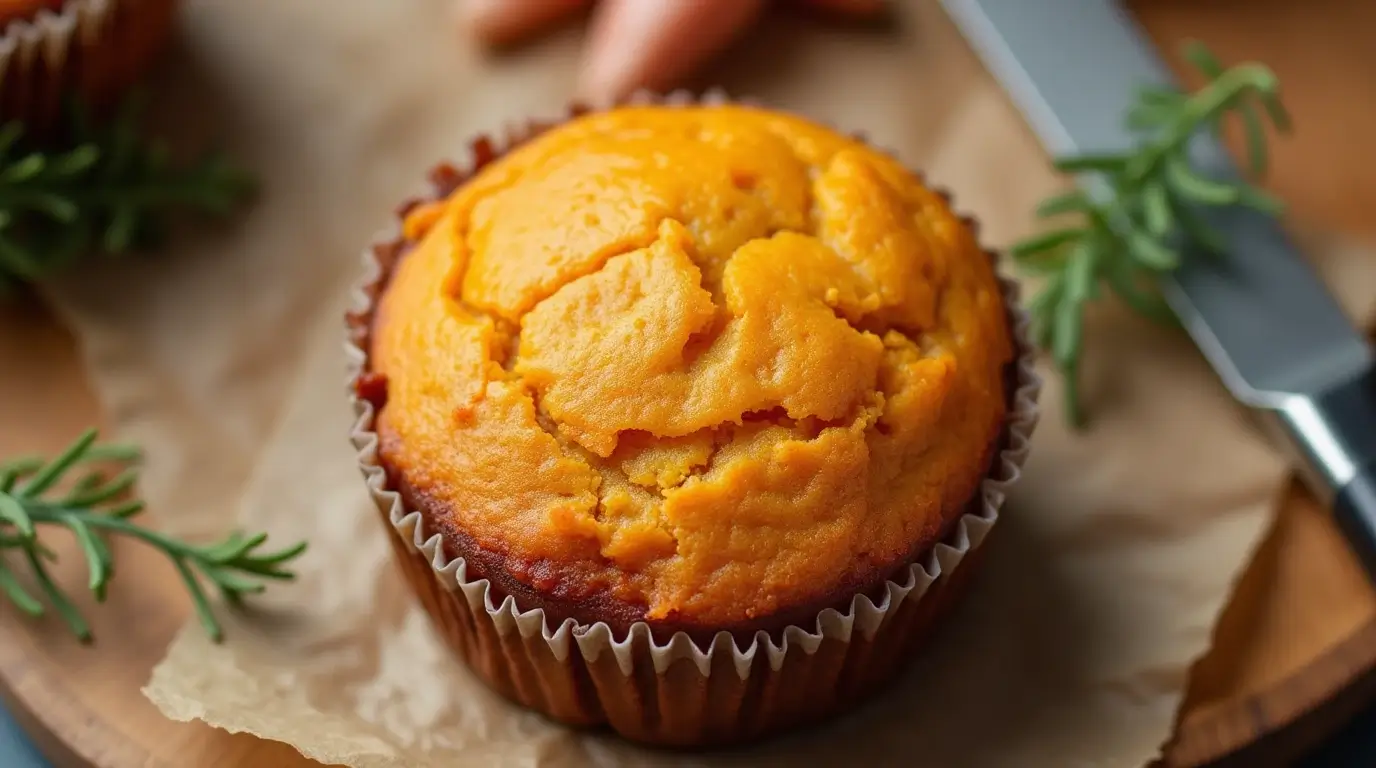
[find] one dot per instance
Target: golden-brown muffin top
(714, 362)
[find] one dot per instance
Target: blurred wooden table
(1279, 627)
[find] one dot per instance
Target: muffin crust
(705, 367)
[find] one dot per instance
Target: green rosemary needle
(1145, 222)
(95, 505)
(104, 190)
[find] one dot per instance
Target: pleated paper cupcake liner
(91, 50)
(677, 691)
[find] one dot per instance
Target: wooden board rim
(1220, 730)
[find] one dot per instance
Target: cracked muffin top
(698, 366)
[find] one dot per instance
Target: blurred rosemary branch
(67, 492)
(1124, 240)
(105, 190)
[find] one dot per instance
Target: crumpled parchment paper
(1102, 582)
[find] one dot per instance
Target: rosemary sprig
(94, 505)
(1146, 219)
(106, 190)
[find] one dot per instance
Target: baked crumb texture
(711, 362)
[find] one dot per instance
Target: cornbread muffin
(692, 369)
(55, 51)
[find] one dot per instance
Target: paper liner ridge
(90, 48)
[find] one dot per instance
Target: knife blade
(1259, 314)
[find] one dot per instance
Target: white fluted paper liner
(47, 37)
(586, 646)
(90, 48)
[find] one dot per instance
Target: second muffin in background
(670, 407)
(91, 51)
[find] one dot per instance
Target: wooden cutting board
(1295, 650)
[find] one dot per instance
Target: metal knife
(1259, 314)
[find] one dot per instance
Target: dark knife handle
(1354, 509)
(1334, 436)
